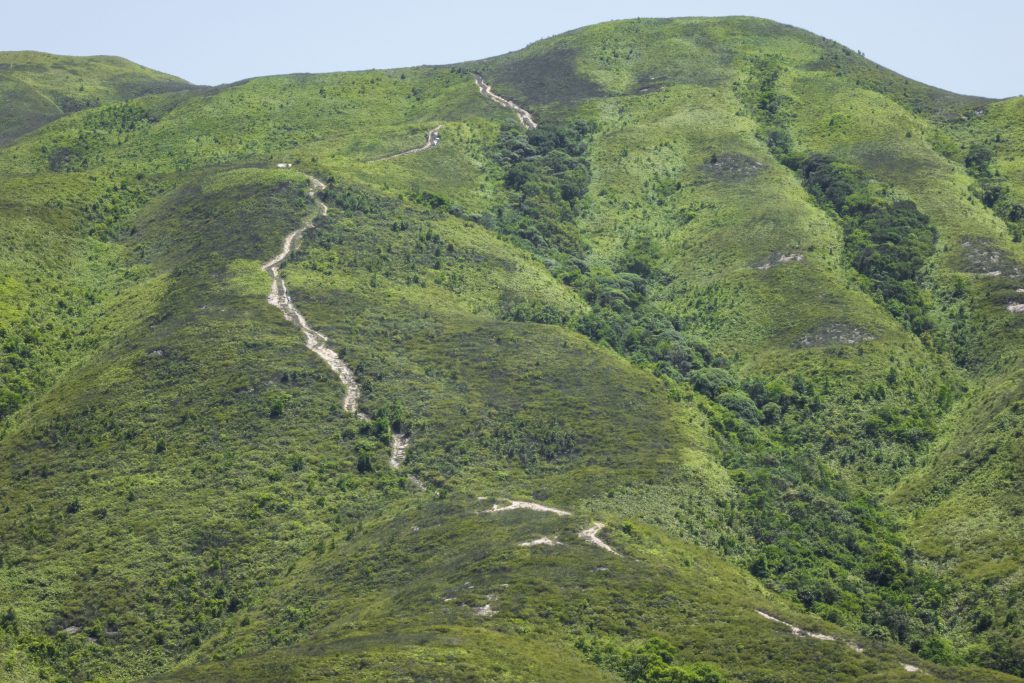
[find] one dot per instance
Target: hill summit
(659, 350)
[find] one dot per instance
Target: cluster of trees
(78, 152)
(354, 199)
(647, 661)
(549, 173)
(888, 241)
(16, 349)
(532, 442)
(992, 189)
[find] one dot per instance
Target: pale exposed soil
(524, 505)
(732, 166)
(984, 258)
(543, 540)
(590, 536)
(778, 259)
(796, 630)
(399, 442)
(525, 117)
(317, 341)
(485, 611)
(802, 633)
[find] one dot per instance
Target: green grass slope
(734, 298)
(38, 87)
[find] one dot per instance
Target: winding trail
(802, 633)
(433, 140)
(317, 341)
(525, 117)
(796, 630)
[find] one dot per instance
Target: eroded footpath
(317, 341)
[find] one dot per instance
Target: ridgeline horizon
(658, 350)
(539, 40)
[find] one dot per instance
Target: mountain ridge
(744, 318)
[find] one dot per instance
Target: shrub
(741, 404)
(713, 381)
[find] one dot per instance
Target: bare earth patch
(732, 166)
(485, 611)
(778, 258)
(525, 505)
(543, 540)
(983, 258)
(796, 630)
(590, 536)
(834, 333)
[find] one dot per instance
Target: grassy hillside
(38, 87)
(743, 297)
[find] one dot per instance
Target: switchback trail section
(433, 140)
(317, 341)
(525, 117)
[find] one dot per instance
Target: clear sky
(968, 46)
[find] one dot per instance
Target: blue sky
(967, 47)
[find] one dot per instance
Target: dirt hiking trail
(525, 117)
(433, 140)
(317, 341)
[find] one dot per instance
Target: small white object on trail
(284, 165)
(911, 668)
(1015, 307)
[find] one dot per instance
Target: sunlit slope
(966, 496)
(661, 311)
(398, 608)
(37, 87)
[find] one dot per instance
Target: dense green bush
(651, 661)
(887, 241)
(547, 169)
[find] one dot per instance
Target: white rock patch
(590, 536)
(524, 505)
(543, 540)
